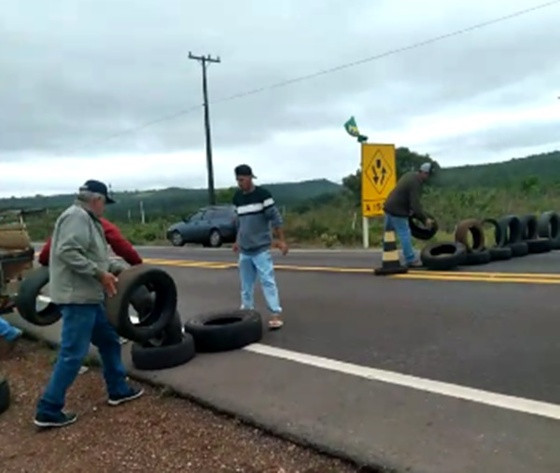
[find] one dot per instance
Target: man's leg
(248, 275)
(106, 339)
(77, 325)
(265, 269)
(402, 229)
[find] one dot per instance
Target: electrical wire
(328, 71)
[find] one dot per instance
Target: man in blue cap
(404, 201)
(81, 276)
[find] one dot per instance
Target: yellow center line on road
(466, 276)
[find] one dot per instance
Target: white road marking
(503, 401)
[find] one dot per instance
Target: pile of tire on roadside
(144, 311)
(512, 236)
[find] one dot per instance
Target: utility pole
(204, 60)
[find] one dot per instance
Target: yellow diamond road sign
(378, 177)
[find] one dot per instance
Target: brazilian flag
(352, 129)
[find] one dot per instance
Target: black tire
(499, 235)
(215, 238)
(164, 308)
(176, 239)
(5, 395)
(26, 299)
(418, 231)
(549, 227)
(224, 331)
(519, 249)
(474, 227)
(511, 228)
(478, 257)
(443, 256)
(500, 253)
(539, 245)
(171, 334)
(149, 357)
(529, 227)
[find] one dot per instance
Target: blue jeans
(8, 331)
(262, 265)
(82, 324)
(402, 229)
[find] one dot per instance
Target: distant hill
(543, 167)
(179, 201)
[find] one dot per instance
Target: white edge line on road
(513, 403)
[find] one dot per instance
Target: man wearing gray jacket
(81, 275)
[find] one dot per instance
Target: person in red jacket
(118, 243)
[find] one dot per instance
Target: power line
(332, 69)
(210, 170)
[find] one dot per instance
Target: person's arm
(119, 244)
(273, 215)
(45, 253)
(73, 237)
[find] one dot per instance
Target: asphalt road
(493, 329)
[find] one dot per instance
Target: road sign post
(379, 177)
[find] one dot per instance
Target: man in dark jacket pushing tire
(402, 202)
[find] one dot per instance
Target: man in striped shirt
(256, 214)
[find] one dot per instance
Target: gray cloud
(74, 73)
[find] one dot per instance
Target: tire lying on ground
(224, 331)
(539, 245)
(147, 356)
(474, 227)
(548, 226)
(498, 253)
(478, 257)
(419, 231)
(5, 396)
(519, 248)
(443, 256)
(27, 298)
(164, 304)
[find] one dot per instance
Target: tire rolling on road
(443, 256)
(164, 304)
(224, 331)
(28, 293)
(5, 395)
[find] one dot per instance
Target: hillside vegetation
(321, 212)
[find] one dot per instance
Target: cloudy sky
(75, 73)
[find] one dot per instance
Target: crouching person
(80, 277)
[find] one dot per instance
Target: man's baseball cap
(244, 170)
(426, 167)
(99, 188)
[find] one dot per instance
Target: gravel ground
(157, 432)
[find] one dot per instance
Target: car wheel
(177, 239)
(215, 239)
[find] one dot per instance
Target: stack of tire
(160, 340)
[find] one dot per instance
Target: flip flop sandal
(275, 324)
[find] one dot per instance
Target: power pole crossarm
(204, 60)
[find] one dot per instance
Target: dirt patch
(157, 432)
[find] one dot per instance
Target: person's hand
(282, 246)
(235, 247)
(109, 283)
